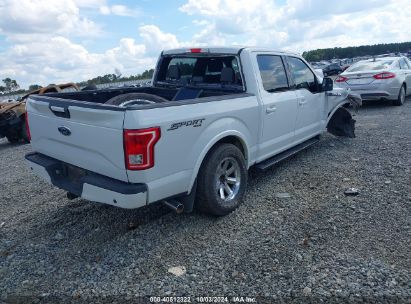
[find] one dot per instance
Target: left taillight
(384, 75)
(341, 79)
(27, 126)
(139, 148)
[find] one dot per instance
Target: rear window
(370, 65)
(186, 65)
(182, 70)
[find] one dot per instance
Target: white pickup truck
(189, 139)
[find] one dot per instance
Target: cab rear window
(182, 70)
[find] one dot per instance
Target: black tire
(211, 179)
(401, 97)
(23, 132)
(139, 98)
(13, 139)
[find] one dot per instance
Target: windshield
(370, 65)
(215, 72)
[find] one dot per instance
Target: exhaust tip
(174, 205)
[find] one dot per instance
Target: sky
(55, 41)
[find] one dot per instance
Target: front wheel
(401, 97)
(222, 180)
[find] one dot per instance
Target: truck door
(280, 106)
(311, 99)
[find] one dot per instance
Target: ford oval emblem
(65, 131)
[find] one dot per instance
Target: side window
(272, 73)
(403, 65)
(303, 77)
(234, 65)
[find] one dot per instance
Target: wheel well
(234, 141)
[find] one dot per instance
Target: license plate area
(75, 173)
(68, 172)
(359, 81)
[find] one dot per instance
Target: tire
(401, 97)
(134, 99)
(223, 167)
(23, 133)
(13, 139)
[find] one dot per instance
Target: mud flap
(342, 124)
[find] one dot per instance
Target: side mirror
(327, 84)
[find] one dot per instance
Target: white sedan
(379, 78)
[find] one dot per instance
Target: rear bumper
(374, 91)
(86, 184)
(375, 95)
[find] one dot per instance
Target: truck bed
(101, 96)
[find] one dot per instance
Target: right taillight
(341, 79)
(27, 126)
(139, 148)
(384, 75)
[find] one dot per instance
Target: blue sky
(52, 41)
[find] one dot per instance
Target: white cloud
(43, 34)
(299, 24)
(62, 60)
(119, 10)
(62, 17)
(156, 40)
(90, 3)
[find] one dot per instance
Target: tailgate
(83, 134)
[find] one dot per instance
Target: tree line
(117, 77)
(357, 51)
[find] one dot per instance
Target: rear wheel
(222, 180)
(401, 97)
(130, 99)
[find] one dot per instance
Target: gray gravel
(297, 237)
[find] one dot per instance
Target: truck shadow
(5, 145)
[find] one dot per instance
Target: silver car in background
(379, 78)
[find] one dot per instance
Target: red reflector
(139, 148)
(198, 50)
(341, 79)
(27, 126)
(384, 75)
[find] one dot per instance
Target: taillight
(139, 148)
(195, 50)
(27, 126)
(341, 79)
(384, 75)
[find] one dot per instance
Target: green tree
(11, 85)
(356, 51)
(34, 87)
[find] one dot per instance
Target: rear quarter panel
(180, 151)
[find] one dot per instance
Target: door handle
(270, 109)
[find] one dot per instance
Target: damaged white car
(189, 138)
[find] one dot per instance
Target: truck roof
(222, 50)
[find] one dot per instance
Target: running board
(264, 165)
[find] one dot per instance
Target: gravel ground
(316, 245)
